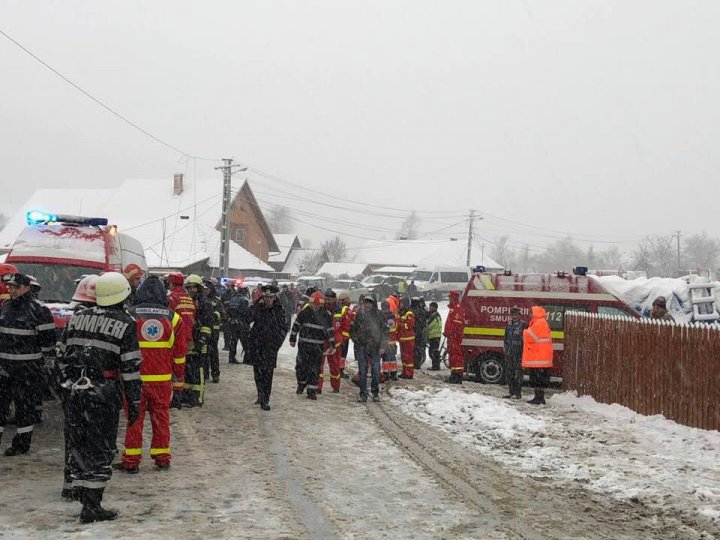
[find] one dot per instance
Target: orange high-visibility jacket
(538, 348)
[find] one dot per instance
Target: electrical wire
(99, 102)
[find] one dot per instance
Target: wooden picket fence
(652, 367)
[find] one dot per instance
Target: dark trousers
(195, 379)
(213, 356)
(263, 383)
(18, 383)
(372, 354)
(310, 357)
(91, 427)
(539, 378)
(434, 350)
(513, 366)
(419, 352)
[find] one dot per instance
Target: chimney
(178, 184)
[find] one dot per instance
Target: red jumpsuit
(406, 337)
(334, 360)
(389, 357)
(182, 304)
(454, 328)
(160, 333)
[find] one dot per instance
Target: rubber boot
(536, 399)
(91, 510)
(541, 397)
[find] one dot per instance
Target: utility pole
(471, 235)
(225, 226)
(677, 235)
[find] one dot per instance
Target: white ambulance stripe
(499, 343)
(26, 429)
(48, 326)
(104, 345)
(90, 484)
(542, 294)
(131, 376)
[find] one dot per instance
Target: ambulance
(58, 249)
(487, 300)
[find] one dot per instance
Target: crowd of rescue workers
(146, 344)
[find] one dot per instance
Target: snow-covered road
(338, 469)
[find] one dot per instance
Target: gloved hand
(133, 412)
(176, 401)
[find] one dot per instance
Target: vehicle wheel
(490, 370)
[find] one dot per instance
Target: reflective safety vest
(406, 327)
(537, 341)
(163, 355)
(341, 325)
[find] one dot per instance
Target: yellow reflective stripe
(178, 385)
(156, 451)
(407, 338)
(133, 451)
(478, 331)
(334, 376)
(180, 361)
(176, 320)
(456, 369)
(156, 378)
(346, 334)
(155, 345)
(205, 330)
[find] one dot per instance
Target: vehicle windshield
(373, 280)
(420, 275)
(342, 284)
(57, 281)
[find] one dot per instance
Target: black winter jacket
(368, 329)
(27, 330)
(267, 334)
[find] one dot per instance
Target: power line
(103, 105)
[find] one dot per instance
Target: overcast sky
(600, 118)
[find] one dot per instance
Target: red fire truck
(487, 301)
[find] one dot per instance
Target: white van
(436, 283)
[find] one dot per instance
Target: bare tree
(312, 261)
(334, 249)
(409, 228)
(503, 253)
(560, 255)
(279, 219)
(524, 259)
(656, 256)
(700, 251)
(611, 258)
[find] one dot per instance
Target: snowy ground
(334, 469)
(609, 449)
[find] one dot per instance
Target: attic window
(240, 236)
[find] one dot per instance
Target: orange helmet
(133, 270)
(317, 299)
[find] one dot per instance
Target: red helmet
(6, 268)
(317, 299)
(176, 279)
(85, 291)
(132, 270)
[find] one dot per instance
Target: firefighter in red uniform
(163, 344)
(344, 300)
(389, 357)
(182, 304)
(406, 337)
(337, 313)
(454, 328)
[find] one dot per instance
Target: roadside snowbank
(608, 448)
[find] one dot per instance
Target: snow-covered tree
(279, 219)
(409, 228)
(334, 249)
(701, 251)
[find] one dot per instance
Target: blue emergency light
(35, 217)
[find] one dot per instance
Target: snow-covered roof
(292, 265)
(420, 253)
(175, 230)
(285, 242)
(337, 268)
(391, 270)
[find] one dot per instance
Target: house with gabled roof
(176, 221)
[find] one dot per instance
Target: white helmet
(85, 291)
(111, 288)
